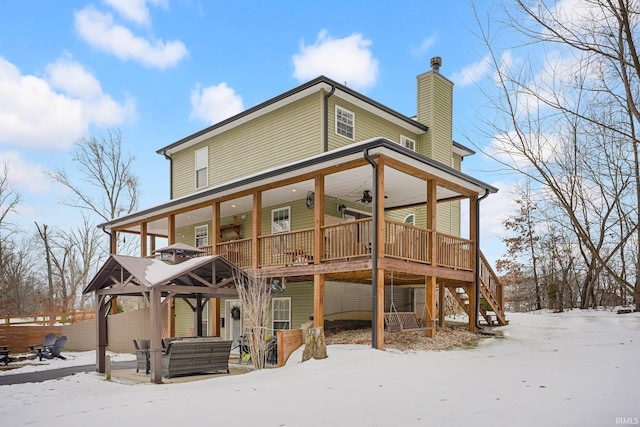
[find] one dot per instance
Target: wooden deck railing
(454, 252)
(490, 281)
(293, 248)
(349, 240)
(406, 241)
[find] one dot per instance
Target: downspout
(110, 238)
(164, 153)
(374, 251)
(477, 307)
(325, 146)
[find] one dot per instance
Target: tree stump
(315, 346)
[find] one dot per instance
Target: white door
(232, 327)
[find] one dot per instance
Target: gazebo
(180, 275)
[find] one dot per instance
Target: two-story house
(353, 209)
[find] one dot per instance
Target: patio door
(233, 320)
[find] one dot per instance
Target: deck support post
(318, 300)
(473, 314)
(441, 303)
(430, 302)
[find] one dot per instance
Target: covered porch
(345, 222)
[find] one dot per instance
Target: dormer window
(345, 122)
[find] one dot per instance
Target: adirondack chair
(54, 351)
(48, 342)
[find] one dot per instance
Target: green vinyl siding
(281, 136)
(435, 109)
(184, 319)
(448, 220)
(367, 125)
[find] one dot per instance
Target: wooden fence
(47, 319)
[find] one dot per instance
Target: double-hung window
(345, 123)
(202, 236)
(281, 223)
(407, 142)
(202, 167)
(281, 313)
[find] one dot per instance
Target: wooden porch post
(318, 246)
(171, 306)
(430, 303)
(143, 240)
(155, 351)
(430, 298)
(114, 242)
(101, 332)
(215, 227)
(257, 229)
(215, 317)
(380, 282)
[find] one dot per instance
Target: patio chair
(53, 351)
(142, 355)
(4, 354)
(243, 347)
(48, 342)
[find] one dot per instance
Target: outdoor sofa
(195, 355)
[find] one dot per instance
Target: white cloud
(99, 30)
(215, 103)
(346, 60)
(424, 46)
(472, 73)
(23, 175)
(136, 10)
(52, 112)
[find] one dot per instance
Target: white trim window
(202, 167)
(345, 123)
(410, 219)
(281, 313)
(408, 142)
(281, 220)
(202, 236)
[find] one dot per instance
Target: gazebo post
(155, 351)
(101, 332)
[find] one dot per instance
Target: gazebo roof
(127, 275)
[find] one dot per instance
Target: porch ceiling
(400, 189)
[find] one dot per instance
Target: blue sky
(160, 70)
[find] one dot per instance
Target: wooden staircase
(491, 295)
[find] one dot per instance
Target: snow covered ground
(580, 368)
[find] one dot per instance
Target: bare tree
(255, 298)
(108, 185)
(9, 199)
(564, 122)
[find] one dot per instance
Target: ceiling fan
(366, 197)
